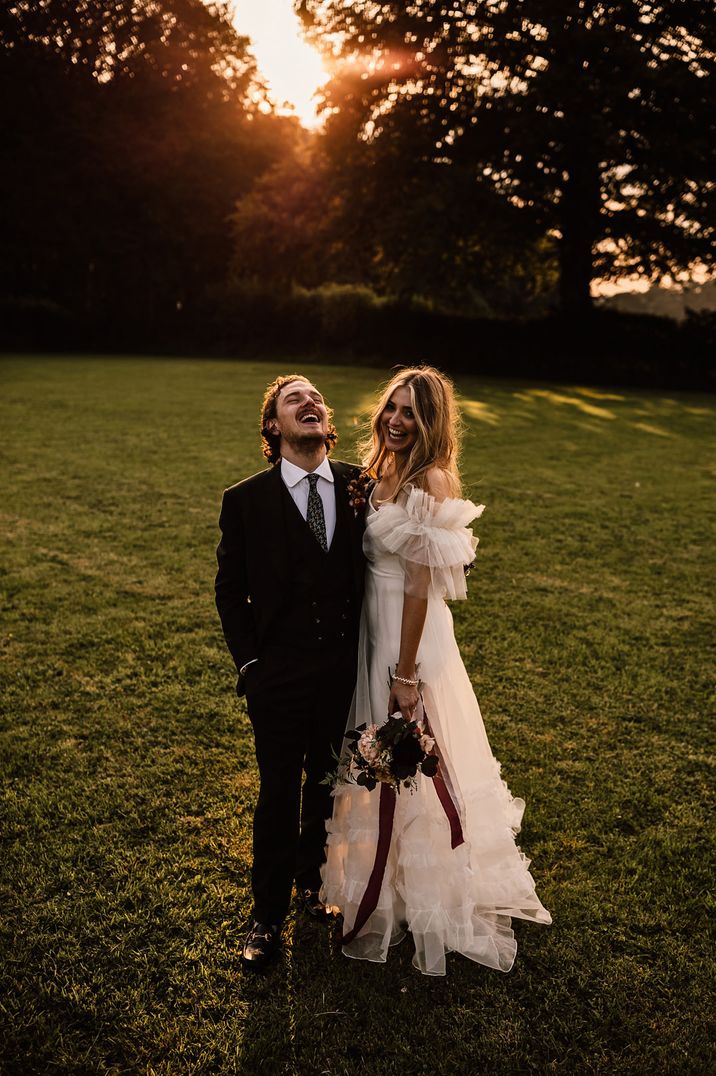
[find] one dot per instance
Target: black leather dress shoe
(260, 945)
(310, 903)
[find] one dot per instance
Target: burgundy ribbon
(456, 834)
(448, 803)
(386, 812)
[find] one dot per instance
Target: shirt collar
(292, 475)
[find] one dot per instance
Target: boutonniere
(358, 492)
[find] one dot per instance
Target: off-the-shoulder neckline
(408, 491)
(394, 503)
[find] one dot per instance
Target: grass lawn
(127, 767)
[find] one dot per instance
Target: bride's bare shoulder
(440, 484)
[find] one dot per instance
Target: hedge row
(349, 323)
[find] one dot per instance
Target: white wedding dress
(450, 899)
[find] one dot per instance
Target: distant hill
(663, 302)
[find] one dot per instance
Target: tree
(182, 40)
(286, 229)
(421, 222)
(592, 119)
(131, 133)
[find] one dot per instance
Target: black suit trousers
(298, 703)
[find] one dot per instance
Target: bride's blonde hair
(437, 445)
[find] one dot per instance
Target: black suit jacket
(252, 579)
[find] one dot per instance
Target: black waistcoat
(320, 608)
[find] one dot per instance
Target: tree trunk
(579, 225)
(575, 275)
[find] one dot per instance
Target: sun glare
(292, 69)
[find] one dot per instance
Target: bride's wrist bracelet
(404, 680)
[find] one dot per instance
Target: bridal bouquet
(391, 753)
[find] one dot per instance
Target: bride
(450, 872)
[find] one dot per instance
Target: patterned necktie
(315, 518)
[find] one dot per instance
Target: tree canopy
(592, 119)
(485, 157)
(131, 135)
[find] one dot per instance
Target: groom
(288, 591)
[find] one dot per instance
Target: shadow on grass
(317, 1011)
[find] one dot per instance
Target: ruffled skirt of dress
(451, 900)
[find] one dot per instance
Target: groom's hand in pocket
(245, 676)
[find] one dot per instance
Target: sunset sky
(293, 69)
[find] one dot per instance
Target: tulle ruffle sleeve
(432, 539)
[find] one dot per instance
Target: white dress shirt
(296, 482)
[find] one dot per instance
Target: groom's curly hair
(271, 442)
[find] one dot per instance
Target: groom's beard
(308, 441)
